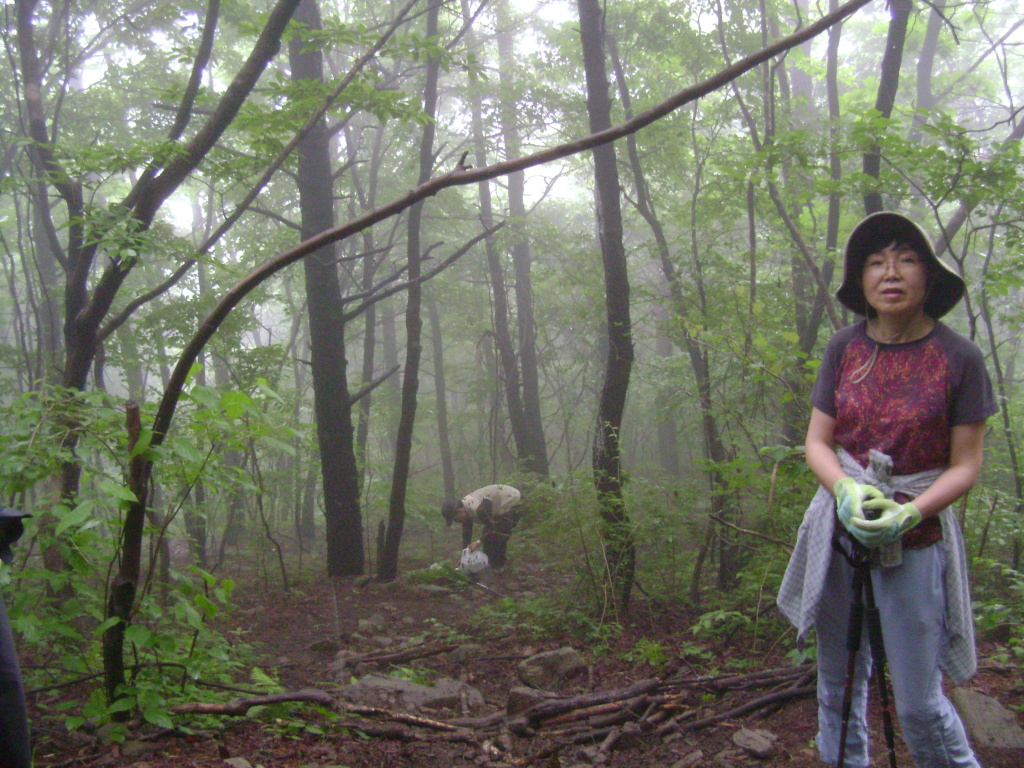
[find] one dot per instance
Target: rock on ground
(987, 722)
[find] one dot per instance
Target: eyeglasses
(881, 263)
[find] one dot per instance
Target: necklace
(916, 329)
(901, 336)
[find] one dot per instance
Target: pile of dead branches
(653, 708)
(663, 709)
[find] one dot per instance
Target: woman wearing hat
(895, 437)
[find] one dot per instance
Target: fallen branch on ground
(653, 707)
(240, 707)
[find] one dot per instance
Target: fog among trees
(281, 277)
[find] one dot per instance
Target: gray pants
(15, 751)
(911, 601)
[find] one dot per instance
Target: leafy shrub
(650, 652)
(999, 606)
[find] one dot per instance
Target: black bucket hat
(11, 528)
(875, 232)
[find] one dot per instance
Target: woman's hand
(852, 498)
(895, 520)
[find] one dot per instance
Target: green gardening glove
(895, 520)
(850, 498)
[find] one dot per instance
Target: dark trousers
(15, 751)
(495, 539)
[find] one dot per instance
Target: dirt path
(302, 632)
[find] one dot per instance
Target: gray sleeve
(972, 397)
(823, 395)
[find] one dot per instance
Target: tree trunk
(888, 85)
(134, 375)
(387, 314)
(365, 199)
(508, 364)
(668, 433)
(369, 356)
(50, 347)
(332, 403)
(835, 170)
(387, 563)
(124, 587)
(441, 400)
(925, 66)
(535, 458)
(620, 548)
(195, 511)
(714, 450)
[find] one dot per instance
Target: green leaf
(187, 452)
(159, 717)
(117, 491)
(75, 517)
(192, 616)
(286, 448)
(777, 453)
(263, 679)
(122, 704)
(235, 404)
(106, 625)
(206, 396)
(207, 606)
(138, 634)
(264, 388)
(143, 443)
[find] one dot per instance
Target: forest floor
(299, 633)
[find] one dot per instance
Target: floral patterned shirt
(902, 399)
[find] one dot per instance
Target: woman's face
(895, 281)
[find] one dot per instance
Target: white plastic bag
(473, 561)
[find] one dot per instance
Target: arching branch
(461, 176)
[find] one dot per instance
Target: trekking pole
(853, 638)
(862, 586)
(877, 645)
(484, 586)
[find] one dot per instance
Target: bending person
(494, 507)
(896, 433)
